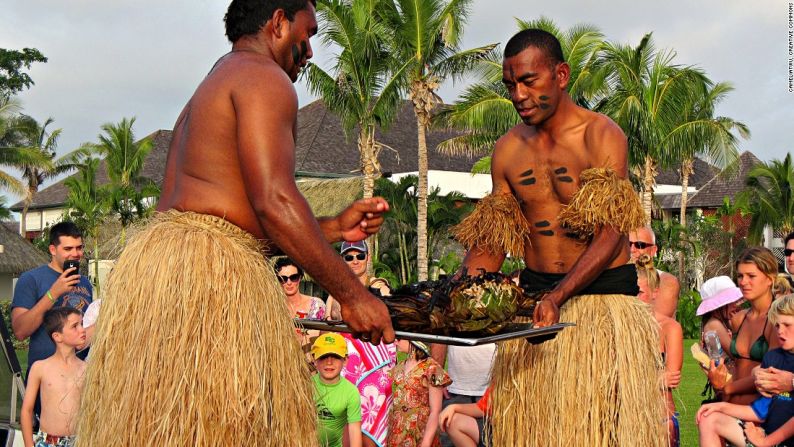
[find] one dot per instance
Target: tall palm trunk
(423, 99)
(97, 284)
(687, 168)
(421, 210)
(648, 181)
(369, 148)
(33, 188)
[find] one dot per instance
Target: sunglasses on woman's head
(640, 245)
(360, 257)
(284, 278)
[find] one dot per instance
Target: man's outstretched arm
(266, 110)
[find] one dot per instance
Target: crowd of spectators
(366, 397)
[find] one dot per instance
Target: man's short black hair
(286, 262)
(64, 229)
(55, 318)
(246, 17)
(533, 37)
(789, 237)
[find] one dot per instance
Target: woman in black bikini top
(752, 336)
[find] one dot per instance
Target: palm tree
(397, 241)
(88, 205)
(11, 154)
(727, 213)
(484, 111)
(768, 197)
(427, 34)
(364, 89)
(5, 213)
(648, 95)
(124, 160)
(700, 133)
(35, 138)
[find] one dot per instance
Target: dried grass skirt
(597, 384)
(195, 345)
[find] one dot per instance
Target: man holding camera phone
(55, 284)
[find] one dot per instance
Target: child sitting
(337, 400)
(723, 420)
(59, 379)
(465, 423)
(418, 391)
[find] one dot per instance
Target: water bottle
(713, 347)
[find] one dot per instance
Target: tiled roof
(321, 148)
(728, 183)
(703, 173)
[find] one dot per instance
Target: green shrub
(5, 308)
(688, 303)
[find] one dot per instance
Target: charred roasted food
(482, 304)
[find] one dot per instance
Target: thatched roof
(330, 196)
(18, 254)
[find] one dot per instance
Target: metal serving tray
(511, 331)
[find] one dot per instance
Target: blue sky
(144, 58)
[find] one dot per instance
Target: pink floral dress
(411, 407)
(368, 368)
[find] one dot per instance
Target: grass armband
(496, 225)
(603, 199)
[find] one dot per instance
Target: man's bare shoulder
(605, 141)
(668, 279)
(245, 70)
(519, 135)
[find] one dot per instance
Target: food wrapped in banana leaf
(482, 304)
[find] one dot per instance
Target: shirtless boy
(59, 380)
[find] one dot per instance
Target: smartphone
(69, 263)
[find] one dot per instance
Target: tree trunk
(421, 210)
(28, 200)
(423, 100)
(97, 285)
(648, 180)
(23, 222)
(370, 167)
(686, 171)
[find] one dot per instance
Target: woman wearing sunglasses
(300, 306)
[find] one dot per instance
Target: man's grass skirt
(195, 345)
(598, 384)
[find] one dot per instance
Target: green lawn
(687, 397)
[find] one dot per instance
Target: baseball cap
(717, 292)
(329, 343)
(360, 246)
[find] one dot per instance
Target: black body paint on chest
(563, 178)
(543, 224)
(546, 233)
(527, 178)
